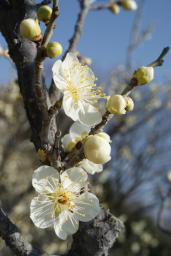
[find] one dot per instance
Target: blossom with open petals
(77, 83)
(62, 201)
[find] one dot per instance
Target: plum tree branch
(84, 8)
(40, 93)
(77, 154)
(103, 6)
(24, 53)
(14, 240)
(94, 238)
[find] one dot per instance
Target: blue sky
(105, 36)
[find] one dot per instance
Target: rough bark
(23, 52)
(94, 238)
(14, 240)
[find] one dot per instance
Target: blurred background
(136, 184)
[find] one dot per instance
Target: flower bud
(42, 155)
(117, 105)
(114, 8)
(44, 13)
(54, 49)
(97, 149)
(104, 135)
(129, 5)
(168, 175)
(30, 29)
(130, 104)
(144, 75)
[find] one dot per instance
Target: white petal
(70, 108)
(74, 179)
(66, 140)
(41, 212)
(67, 224)
(59, 76)
(78, 129)
(70, 61)
(90, 167)
(41, 175)
(59, 231)
(90, 116)
(87, 207)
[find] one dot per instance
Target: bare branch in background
(134, 39)
(100, 6)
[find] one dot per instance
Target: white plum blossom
(62, 201)
(77, 83)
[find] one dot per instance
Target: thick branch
(41, 96)
(14, 240)
(95, 238)
(23, 52)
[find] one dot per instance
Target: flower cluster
(63, 195)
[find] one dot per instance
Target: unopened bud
(42, 155)
(97, 149)
(54, 49)
(114, 8)
(30, 29)
(44, 13)
(130, 104)
(117, 105)
(129, 5)
(144, 75)
(105, 136)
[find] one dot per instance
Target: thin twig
(135, 35)
(41, 97)
(51, 24)
(84, 9)
(160, 60)
(77, 154)
(44, 2)
(103, 6)
(99, 7)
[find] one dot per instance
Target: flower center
(61, 200)
(73, 91)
